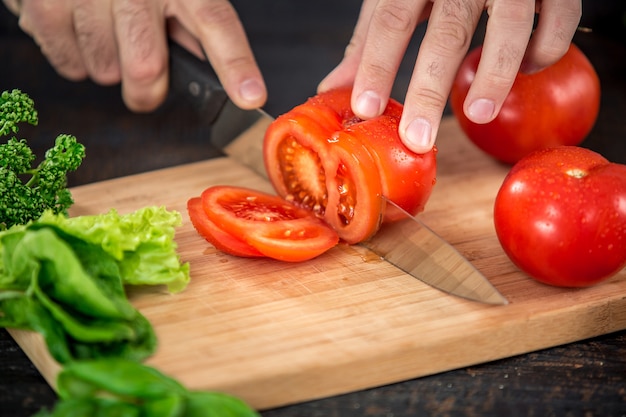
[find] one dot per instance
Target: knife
(407, 244)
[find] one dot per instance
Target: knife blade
(415, 248)
(408, 244)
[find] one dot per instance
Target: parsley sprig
(27, 191)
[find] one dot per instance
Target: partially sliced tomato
(275, 227)
(214, 235)
(321, 156)
(335, 177)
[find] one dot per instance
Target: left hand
(385, 27)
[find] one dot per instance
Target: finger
(391, 26)
(93, 24)
(558, 21)
(343, 75)
(508, 31)
(184, 38)
(14, 6)
(444, 46)
(50, 24)
(140, 34)
(222, 36)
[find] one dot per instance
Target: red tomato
(560, 216)
(245, 222)
(216, 236)
(322, 157)
(556, 106)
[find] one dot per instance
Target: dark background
(297, 43)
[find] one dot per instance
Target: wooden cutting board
(276, 333)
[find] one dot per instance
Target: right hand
(112, 41)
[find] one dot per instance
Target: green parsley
(27, 191)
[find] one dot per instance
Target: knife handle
(196, 81)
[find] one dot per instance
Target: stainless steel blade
(407, 244)
(420, 252)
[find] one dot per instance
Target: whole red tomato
(321, 156)
(556, 106)
(560, 216)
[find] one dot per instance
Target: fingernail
(481, 110)
(418, 136)
(368, 105)
(251, 91)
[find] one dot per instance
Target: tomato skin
(560, 216)
(349, 163)
(222, 241)
(556, 106)
(274, 227)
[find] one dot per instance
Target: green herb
(117, 387)
(64, 278)
(27, 191)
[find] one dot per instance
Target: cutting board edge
(316, 379)
(264, 399)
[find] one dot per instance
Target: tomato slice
(275, 227)
(214, 235)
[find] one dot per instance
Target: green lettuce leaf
(141, 241)
(65, 277)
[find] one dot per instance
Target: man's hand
(112, 41)
(384, 30)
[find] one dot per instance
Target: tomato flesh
(304, 181)
(556, 106)
(273, 226)
(222, 241)
(560, 216)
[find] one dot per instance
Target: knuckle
(67, 64)
(429, 98)
(511, 12)
(99, 55)
(395, 18)
(453, 31)
(142, 100)
(144, 71)
(375, 71)
(235, 67)
(507, 61)
(452, 37)
(220, 13)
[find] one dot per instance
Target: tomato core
(304, 180)
(347, 198)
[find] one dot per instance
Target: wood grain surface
(277, 333)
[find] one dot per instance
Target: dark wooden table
(296, 44)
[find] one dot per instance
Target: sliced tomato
(273, 226)
(330, 169)
(321, 156)
(214, 235)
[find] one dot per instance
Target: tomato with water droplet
(560, 216)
